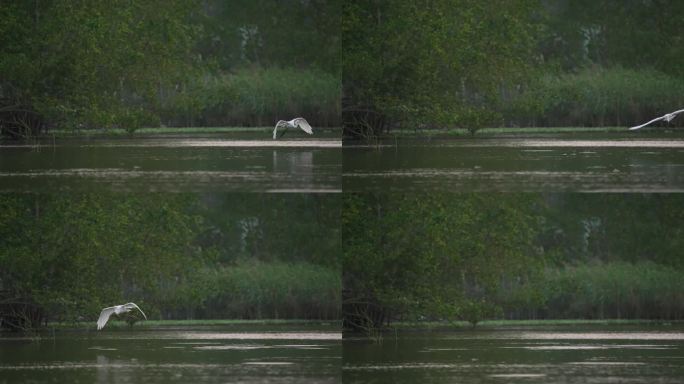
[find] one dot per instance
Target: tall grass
(595, 97)
(254, 290)
(618, 290)
(257, 97)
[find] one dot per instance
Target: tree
(436, 256)
(433, 63)
(71, 256)
(96, 64)
(267, 33)
(635, 34)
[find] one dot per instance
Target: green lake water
(587, 162)
(179, 163)
(581, 354)
(245, 354)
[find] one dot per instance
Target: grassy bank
(501, 131)
(455, 132)
(494, 132)
(489, 324)
(117, 132)
(328, 131)
(115, 324)
(523, 131)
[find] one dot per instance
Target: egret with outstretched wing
(298, 122)
(667, 117)
(116, 310)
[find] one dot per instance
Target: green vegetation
(596, 98)
(109, 65)
(257, 97)
(498, 131)
(617, 290)
(93, 64)
(446, 325)
(272, 291)
(115, 324)
(178, 256)
(468, 64)
(155, 131)
(467, 257)
(438, 63)
(167, 131)
(433, 255)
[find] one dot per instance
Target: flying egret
(667, 117)
(294, 123)
(116, 310)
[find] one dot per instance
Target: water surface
(259, 354)
(585, 162)
(527, 355)
(221, 163)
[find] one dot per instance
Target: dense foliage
(107, 64)
(437, 62)
(473, 257)
(448, 63)
(95, 64)
(179, 256)
(432, 255)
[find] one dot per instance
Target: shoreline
(511, 132)
(161, 131)
(151, 324)
(329, 131)
(429, 326)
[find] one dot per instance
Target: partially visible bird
(117, 310)
(667, 117)
(298, 122)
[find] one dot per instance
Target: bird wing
(303, 124)
(134, 306)
(675, 113)
(275, 130)
(645, 124)
(104, 317)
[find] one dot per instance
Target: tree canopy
(433, 62)
(96, 63)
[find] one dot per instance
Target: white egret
(667, 117)
(298, 122)
(116, 310)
